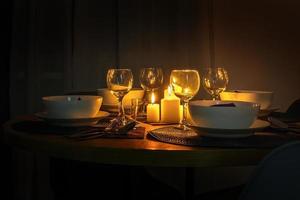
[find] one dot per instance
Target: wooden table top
(137, 152)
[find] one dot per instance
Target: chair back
(277, 177)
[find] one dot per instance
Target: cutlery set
(108, 128)
(283, 126)
(101, 130)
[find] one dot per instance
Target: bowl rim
(87, 97)
(250, 104)
(248, 92)
(132, 89)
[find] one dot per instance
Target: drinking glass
(136, 108)
(185, 84)
(151, 78)
(119, 82)
(215, 81)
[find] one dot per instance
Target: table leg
(189, 183)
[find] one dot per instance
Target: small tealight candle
(170, 107)
(153, 110)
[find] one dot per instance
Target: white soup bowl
(263, 98)
(223, 114)
(72, 106)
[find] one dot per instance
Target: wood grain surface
(134, 152)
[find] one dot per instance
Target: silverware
(85, 134)
(282, 126)
(96, 133)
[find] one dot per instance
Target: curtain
(68, 45)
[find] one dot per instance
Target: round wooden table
(131, 152)
(137, 152)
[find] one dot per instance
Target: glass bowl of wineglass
(215, 81)
(185, 84)
(119, 82)
(151, 78)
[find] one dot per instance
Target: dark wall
(66, 45)
(5, 41)
(258, 42)
(6, 17)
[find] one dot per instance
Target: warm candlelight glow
(170, 103)
(188, 116)
(153, 110)
(152, 98)
(186, 90)
(170, 90)
(168, 93)
(174, 80)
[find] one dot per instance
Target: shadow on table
(82, 180)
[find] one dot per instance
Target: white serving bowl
(241, 116)
(110, 100)
(264, 98)
(72, 106)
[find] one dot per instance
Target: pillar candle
(170, 107)
(153, 110)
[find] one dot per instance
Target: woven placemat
(36, 126)
(191, 138)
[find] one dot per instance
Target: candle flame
(170, 90)
(152, 98)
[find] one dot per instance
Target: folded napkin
(191, 138)
(291, 115)
(36, 126)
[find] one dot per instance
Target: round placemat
(175, 135)
(191, 138)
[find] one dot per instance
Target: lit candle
(153, 110)
(170, 107)
(168, 93)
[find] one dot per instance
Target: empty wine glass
(151, 78)
(119, 82)
(185, 84)
(215, 81)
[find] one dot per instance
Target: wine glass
(185, 84)
(151, 78)
(215, 81)
(119, 82)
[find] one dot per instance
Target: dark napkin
(191, 138)
(291, 115)
(36, 126)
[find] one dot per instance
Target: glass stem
(184, 122)
(121, 114)
(215, 97)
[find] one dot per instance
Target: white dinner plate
(258, 125)
(112, 107)
(72, 122)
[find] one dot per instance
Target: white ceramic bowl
(110, 100)
(241, 116)
(72, 106)
(264, 98)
